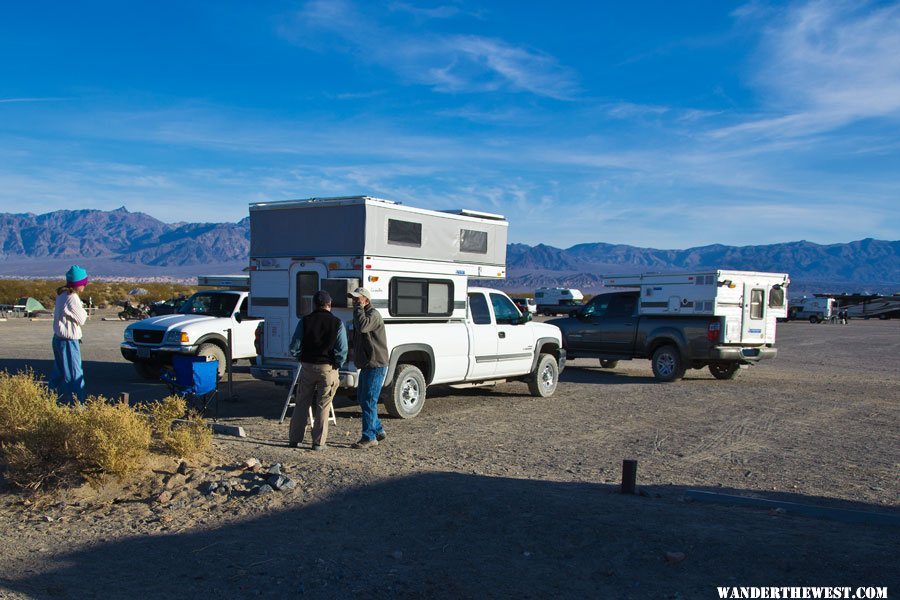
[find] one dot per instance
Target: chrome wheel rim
(665, 364)
(547, 378)
(409, 393)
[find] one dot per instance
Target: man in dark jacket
(370, 354)
(320, 344)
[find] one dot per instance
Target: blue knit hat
(76, 276)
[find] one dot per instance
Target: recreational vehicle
(417, 264)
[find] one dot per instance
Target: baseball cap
(321, 298)
(360, 291)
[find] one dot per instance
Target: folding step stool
(290, 403)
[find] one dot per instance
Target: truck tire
(148, 369)
(667, 364)
(543, 380)
(213, 352)
(406, 395)
(813, 319)
(724, 370)
(608, 364)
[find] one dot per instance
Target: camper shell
(415, 262)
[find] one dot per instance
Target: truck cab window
(479, 308)
(596, 307)
(504, 310)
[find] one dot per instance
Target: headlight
(129, 335)
(177, 337)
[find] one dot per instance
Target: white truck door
(305, 279)
(482, 339)
(243, 334)
(753, 329)
(515, 346)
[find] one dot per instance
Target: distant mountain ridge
(120, 242)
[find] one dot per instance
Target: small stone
(251, 463)
(275, 469)
(48, 518)
(208, 487)
(174, 481)
(164, 497)
(276, 481)
(526, 554)
(673, 558)
(264, 489)
(183, 468)
(223, 488)
(777, 511)
(288, 484)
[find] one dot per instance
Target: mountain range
(122, 243)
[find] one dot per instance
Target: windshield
(209, 303)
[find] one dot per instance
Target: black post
(629, 476)
(228, 367)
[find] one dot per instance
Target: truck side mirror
(238, 316)
(526, 317)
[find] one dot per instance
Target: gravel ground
(493, 493)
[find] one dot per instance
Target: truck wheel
(406, 395)
(724, 370)
(813, 319)
(213, 352)
(667, 364)
(608, 364)
(147, 369)
(543, 380)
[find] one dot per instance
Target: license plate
(143, 352)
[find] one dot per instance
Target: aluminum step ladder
(289, 402)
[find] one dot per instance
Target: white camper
(417, 264)
(749, 301)
(813, 308)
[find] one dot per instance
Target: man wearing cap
(320, 344)
(370, 354)
(69, 315)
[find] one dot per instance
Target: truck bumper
(160, 354)
(283, 374)
(742, 354)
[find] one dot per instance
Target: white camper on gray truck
(417, 264)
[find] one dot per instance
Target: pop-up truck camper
(417, 264)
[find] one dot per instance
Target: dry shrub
(109, 439)
(24, 400)
(188, 438)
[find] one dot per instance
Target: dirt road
(494, 493)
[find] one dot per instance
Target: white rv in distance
(417, 264)
(813, 308)
(557, 301)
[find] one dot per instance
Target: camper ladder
(289, 402)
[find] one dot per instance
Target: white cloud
(447, 63)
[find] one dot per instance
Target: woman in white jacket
(68, 317)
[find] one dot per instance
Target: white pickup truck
(199, 328)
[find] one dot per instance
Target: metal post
(228, 367)
(629, 476)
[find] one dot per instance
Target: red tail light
(714, 331)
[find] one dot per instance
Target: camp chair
(194, 378)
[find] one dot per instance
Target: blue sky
(660, 124)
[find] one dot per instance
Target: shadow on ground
(467, 536)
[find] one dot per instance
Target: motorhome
(417, 264)
(557, 300)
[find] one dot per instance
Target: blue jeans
(367, 390)
(67, 377)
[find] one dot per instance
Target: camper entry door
(306, 279)
(755, 306)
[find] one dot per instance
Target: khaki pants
(318, 384)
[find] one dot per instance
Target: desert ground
(493, 493)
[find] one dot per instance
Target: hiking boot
(380, 436)
(364, 443)
(318, 447)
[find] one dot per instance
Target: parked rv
(557, 301)
(417, 264)
(199, 328)
(719, 319)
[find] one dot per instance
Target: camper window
(404, 233)
(307, 285)
(776, 297)
(420, 297)
(475, 242)
(756, 304)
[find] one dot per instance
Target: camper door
(306, 280)
(755, 319)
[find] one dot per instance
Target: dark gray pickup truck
(609, 328)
